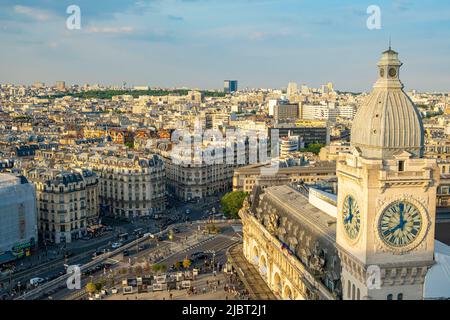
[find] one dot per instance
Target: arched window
(389, 296)
(349, 289)
(353, 292)
(400, 296)
(358, 295)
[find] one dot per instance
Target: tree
(186, 263)
(159, 268)
(99, 285)
(177, 265)
(314, 148)
(91, 288)
(138, 270)
(129, 144)
(212, 228)
(156, 268)
(232, 202)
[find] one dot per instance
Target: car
(87, 272)
(176, 230)
(126, 253)
(199, 256)
(149, 235)
(116, 245)
(36, 281)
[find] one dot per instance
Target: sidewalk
(208, 287)
(248, 274)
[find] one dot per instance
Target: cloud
(402, 5)
(112, 30)
(175, 18)
(36, 14)
(248, 33)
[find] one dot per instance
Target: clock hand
(349, 218)
(346, 219)
(350, 210)
(401, 207)
(392, 230)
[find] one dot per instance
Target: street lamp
(213, 260)
(213, 213)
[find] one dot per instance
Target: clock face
(351, 217)
(392, 72)
(400, 224)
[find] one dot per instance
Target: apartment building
(130, 187)
(67, 202)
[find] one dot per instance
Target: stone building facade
(67, 202)
(130, 187)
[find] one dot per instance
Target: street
(49, 263)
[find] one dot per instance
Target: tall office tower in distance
(60, 85)
(230, 86)
(330, 87)
(292, 89)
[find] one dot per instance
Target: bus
(123, 237)
(138, 232)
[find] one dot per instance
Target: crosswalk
(201, 243)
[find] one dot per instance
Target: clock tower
(386, 196)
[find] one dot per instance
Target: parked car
(116, 245)
(199, 256)
(36, 281)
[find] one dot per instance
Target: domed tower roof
(388, 122)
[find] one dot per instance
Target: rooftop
(298, 206)
(7, 180)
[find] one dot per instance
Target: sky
(200, 43)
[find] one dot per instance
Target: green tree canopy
(91, 287)
(232, 203)
(314, 148)
(156, 267)
(186, 263)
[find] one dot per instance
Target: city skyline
(260, 43)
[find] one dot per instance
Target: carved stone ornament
(273, 223)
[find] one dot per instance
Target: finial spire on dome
(390, 47)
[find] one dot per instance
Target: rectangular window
(401, 166)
